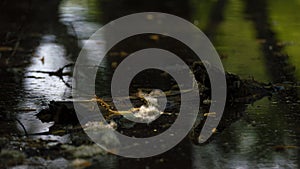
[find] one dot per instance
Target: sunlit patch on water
(78, 16)
(40, 87)
(48, 57)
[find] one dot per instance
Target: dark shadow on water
(275, 58)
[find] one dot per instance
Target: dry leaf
(154, 37)
(80, 163)
(114, 65)
(210, 114)
(43, 60)
(5, 48)
(123, 54)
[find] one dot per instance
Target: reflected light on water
(41, 87)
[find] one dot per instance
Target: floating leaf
(42, 60)
(5, 48)
(80, 163)
(284, 147)
(123, 54)
(114, 65)
(154, 37)
(210, 114)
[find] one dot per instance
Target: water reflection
(58, 47)
(47, 46)
(245, 145)
(272, 122)
(81, 17)
(252, 142)
(286, 24)
(234, 39)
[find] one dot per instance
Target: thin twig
(59, 73)
(21, 124)
(16, 47)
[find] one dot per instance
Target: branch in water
(59, 73)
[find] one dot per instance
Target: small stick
(59, 73)
(21, 124)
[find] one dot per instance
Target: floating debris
(147, 114)
(114, 65)
(5, 48)
(100, 125)
(151, 111)
(214, 130)
(25, 109)
(284, 147)
(103, 134)
(210, 114)
(154, 37)
(121, 54)
(207, 101)
(42, 60)
(80, 163)
(84, 151)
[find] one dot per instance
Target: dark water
(254, 141)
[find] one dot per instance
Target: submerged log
(239, 93)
